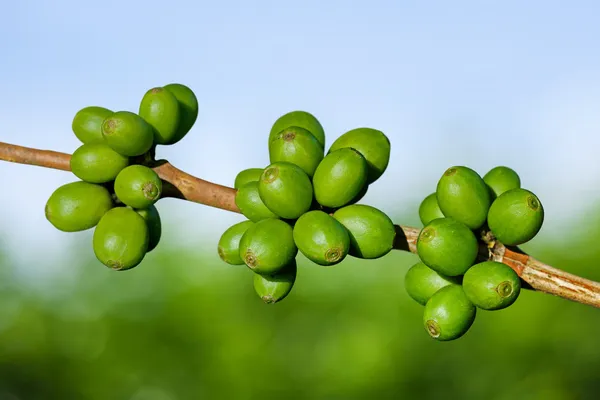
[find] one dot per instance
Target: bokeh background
(451, 83)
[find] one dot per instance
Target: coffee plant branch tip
(179, 184)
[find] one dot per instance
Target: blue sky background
(476, 83)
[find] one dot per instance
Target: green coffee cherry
(247, 175)
(491, 285)
(297, 146)
(421, 282)
(429, 209)
(321, 238)
(268, 246)
(501, 179)
(77, 206)
(138, 186)
(372, 232)
(374, 146)
(463, 195)
(516, 216)
(340, 177)
(128, 133)
(286, 190)
(447, 246)
(301, 119)
(97, 163)
(160, 108)
(448, 314)
(229, 243)
(188, 109)
(152, 218)
(87, 124)
(275, 287)
(248, 200)
(121, 239)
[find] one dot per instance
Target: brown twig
(179, 184)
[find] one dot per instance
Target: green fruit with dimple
(501, 179)
(448, 314)
(421, 282)
(248, 200)
(302, 119)
(77, 206)
(491, 285)
(447, 246)
(340, 177)
(246, 176)
(429, 209)
(516, 216)
(275, 287)
(152, 218)
(138, 186)
(87, 124)
(229, 243)
(128, 133)
(188, 109)
(372, 232)
(374, 146)
(286, 190)
(268, 246)
(463, 195)
(321, 238)
(297, 146)
(121, 239)
(160, 108)
(97, 163)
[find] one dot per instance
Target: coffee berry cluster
(116, 191)
(466, 208)
(305, 201)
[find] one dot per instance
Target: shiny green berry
(152, 218)
(97, 163)
(447, 246)
(87, 124)
(516, 216)
(302, 119)
(491, 285)
(138, 186)
(429, 209)
(297, 146)
(321, 238)
(248, 200)
(127, 133)
(448, 314)
(422, 282)
(272, 288)
(246, 176)
(286, 190)
(160, 108)
(229, 243)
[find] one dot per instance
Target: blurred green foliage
(184, 325)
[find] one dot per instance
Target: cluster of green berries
(449, 281)
(116, 190)
(305, 201)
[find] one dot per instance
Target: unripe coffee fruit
(77, 206)
(516, 216)
(491, 285)
(374, 146)
(447, 246)
(448, 314)
(138, 186)
(160, 108)
(429, 209)
(463, 195)
(246, 176)
(321, 238)
(128, 133)
(188, 110)
(371, 231)
(248, 200)
(273, 288)
(297, 146)
(286, 190)
(229, 243)
(303, 119)
(422, 282)
(97, 163)
(501, 179)
(121, 238)
(340, 177)
(87, 124)
(268, 246)
(152, 218)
